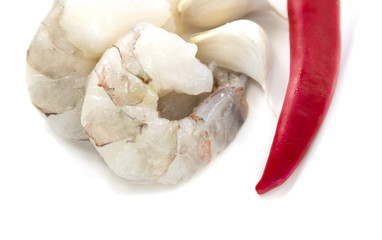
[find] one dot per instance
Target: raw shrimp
(139, 109)
(67, 46)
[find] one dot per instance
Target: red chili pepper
(315, 46)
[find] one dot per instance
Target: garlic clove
(174, 23)
(240, 46)
(211, 13)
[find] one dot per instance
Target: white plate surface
(55, 189)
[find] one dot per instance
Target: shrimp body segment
(67, 46)
(132, 104)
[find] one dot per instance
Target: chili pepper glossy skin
(315, 44)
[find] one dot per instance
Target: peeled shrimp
(157, 114)
(67, 46)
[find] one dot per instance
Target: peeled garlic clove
(211, 13)
(240, 46)
(174, 23)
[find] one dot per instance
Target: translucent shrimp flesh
(155, 113)
(67, 46)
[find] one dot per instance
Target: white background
(51, 188)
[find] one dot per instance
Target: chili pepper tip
(262, 188)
